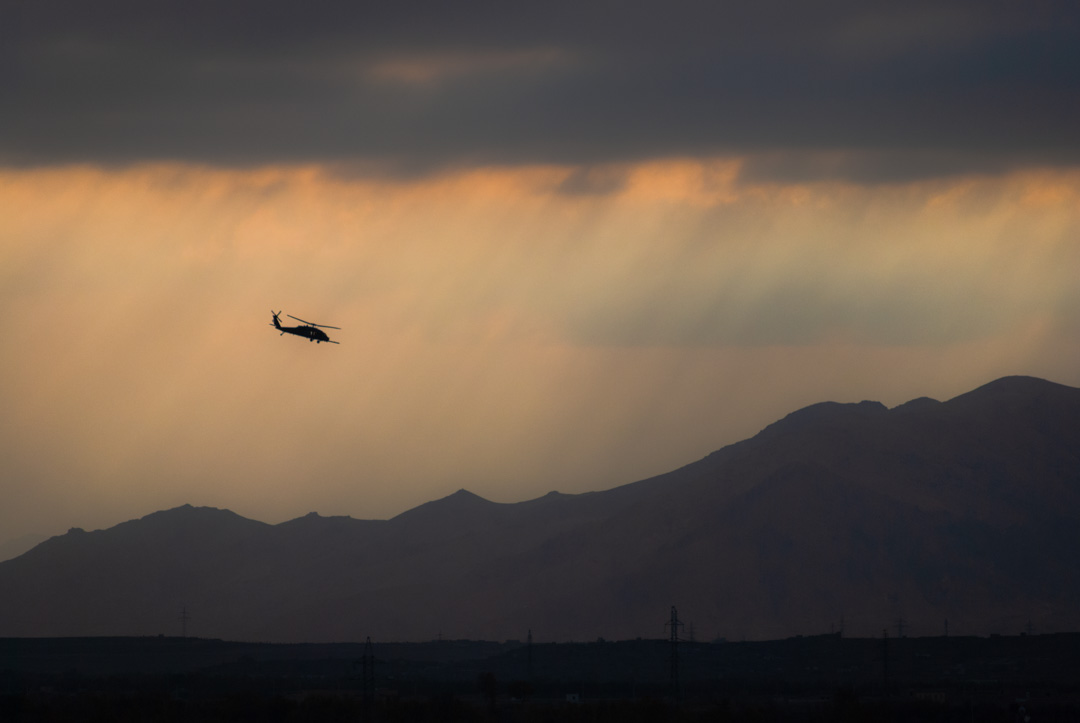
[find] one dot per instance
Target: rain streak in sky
(569, 246)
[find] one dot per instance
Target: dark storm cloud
(862, 90)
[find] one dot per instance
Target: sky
(569, 245)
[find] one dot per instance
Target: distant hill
(849, 515)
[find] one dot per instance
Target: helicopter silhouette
(312, 332)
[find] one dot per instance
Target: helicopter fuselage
(309, 332)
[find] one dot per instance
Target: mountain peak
(1024, 385)
(917, 404)
(456, 504)
(826, 414)
(189, 512)
(1016, 392)
(462, 499)
(185, 509)
(189, 520)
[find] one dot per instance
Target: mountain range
(956, 517)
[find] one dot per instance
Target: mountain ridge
(958, 509)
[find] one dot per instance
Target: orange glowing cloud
(427, 68)
(506, 330)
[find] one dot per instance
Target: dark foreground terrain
(815, 678)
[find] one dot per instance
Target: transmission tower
(885, 662)
(674, 659)
(529, 657)
(367, 677)
(184, 617)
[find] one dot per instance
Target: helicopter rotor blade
(311, 323)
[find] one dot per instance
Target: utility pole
(184, 617)
(674, 660)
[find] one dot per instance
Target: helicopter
(313, 332)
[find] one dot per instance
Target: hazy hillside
(850, 514)
(18, 545)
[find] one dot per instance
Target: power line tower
(674, 624)
(367, 677)
(885, 663)
(529, 657)
(184, 618)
